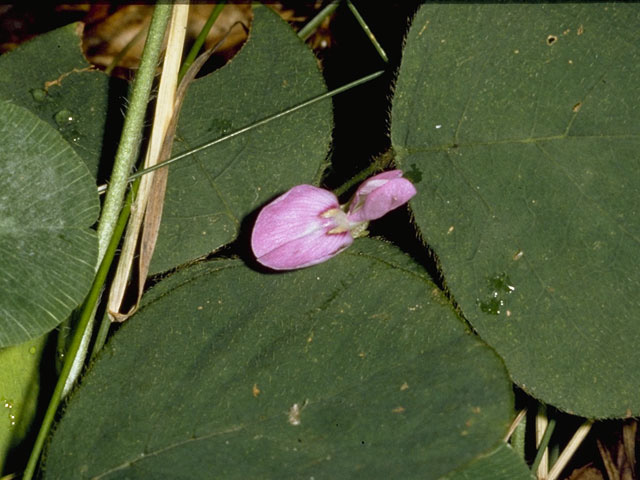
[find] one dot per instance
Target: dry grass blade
(512, 428)
(162, 119)
(618, 452)
(629, 432)
(570, 449)
(155, 205)
(541, 425)
(147, 211)
(608, 462)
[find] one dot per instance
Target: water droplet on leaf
(63, 118)
(74, 136)
(499, 288)
(38, 94)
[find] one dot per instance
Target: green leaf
(356, 368)
(501, 464)
(19, 389)
(209, 194)
(50, 77)
(525, 135)
(48, 201)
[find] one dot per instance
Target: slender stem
(108, 260)
(105, 323)
(368, 32)
(259, 123)
(101, 336)
(379, 164)
(516, 433)
(518, 438)
(306, 31)
(127, 152)
(512, 428)
(542, 421)
(81, 354)
(202, 36)
(554, 452)
(133, 125)
(569, 450)
(85, 317)
(544, 443)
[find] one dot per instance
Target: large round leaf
(210, 193)
(356, 368)
(525, 135)
(48, 201)
(50, 77)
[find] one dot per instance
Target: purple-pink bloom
(380, 194)
(297, 229)
(307, 225)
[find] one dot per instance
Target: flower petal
(370, 184)
(316, 247)
(293, 215)
(383, 199)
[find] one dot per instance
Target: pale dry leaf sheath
(162, 118)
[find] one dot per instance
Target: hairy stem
(125, 157)
(132, 129)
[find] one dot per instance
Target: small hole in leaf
(551, 39)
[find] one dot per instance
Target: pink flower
(307, 225)
(380, 194)
(303, 227)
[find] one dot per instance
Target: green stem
(570, 449)
(544, 443)
(368, 32)
(85, 317)
(259, 123)
(306, 31)
(516, 433)
(379, 164)
(105, 323)
(101, 336)
(554, 453)
(518, 439)
(133, 125)
(108, 260)
(125, 157)
(202, 36)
